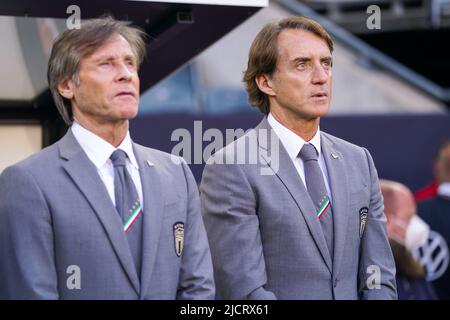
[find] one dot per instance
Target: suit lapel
(287, 173)
(85, 176)
(153, 213)
(337, 173)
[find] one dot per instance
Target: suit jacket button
(335, 283)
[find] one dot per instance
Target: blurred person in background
(407, 232)
(436, 211)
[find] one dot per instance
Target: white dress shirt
(293, 144)
(99, 151)
(444, 189)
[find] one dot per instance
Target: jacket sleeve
(230, 213)
(376, 266)
(27, 267)
(196, 275)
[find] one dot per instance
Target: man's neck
(113, 133)
(305, 129)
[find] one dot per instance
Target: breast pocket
(174, 208)
(174, 221)
(360, 197)
(359, 202)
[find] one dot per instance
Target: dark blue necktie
(128, 205)
(315, 184)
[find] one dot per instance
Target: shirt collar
(291, 141)
(99, 150)
(444, 190)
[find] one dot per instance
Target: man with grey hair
(95, 215)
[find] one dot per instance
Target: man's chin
(319, 110)
(132, 114)
(129, 112)
(322, 108)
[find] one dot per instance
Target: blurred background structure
(391, 90)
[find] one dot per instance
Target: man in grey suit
(306, 220)
(95, 215)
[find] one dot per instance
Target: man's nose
(124, 73)
(320, 74)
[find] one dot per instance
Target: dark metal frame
(177, 33)
(370, 54)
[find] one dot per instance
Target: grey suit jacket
(57, 218)
(265, 239)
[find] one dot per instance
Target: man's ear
(65, 88)
(265, 84)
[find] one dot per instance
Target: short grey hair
(74, 44)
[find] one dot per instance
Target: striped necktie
(316, 188)
(128, 205)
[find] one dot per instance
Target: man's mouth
(319, 95)
(125, 94)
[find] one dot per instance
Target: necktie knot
(119, 158)
(308, 152)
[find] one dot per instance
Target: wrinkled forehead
(114, 47)
(292, 43)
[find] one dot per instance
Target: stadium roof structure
(178, 31)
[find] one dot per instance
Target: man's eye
(301, 65)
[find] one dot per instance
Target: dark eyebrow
(327, 59)
(300, 60)
(111, 58)
(103, 58)
(130, 56)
